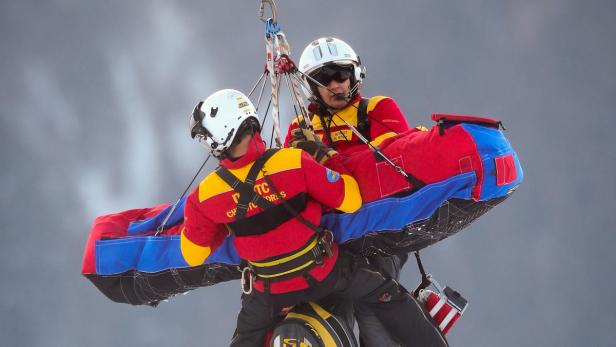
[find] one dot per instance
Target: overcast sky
(94, 102)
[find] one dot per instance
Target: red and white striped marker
(445, 306)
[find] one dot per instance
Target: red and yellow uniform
(384, 117)
(213, 205)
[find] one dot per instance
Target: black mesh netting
(451, 217)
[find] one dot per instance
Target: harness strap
(425, 280)
(326, 126)
(317, 229)
(268, 219)
(246, 188)
(363, 125)
(287, 265)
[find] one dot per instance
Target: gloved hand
(297, 135)
(305, 139)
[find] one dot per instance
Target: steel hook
(262, 10)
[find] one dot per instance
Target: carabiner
(246, 272)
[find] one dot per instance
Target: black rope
(266, 112)
(425, 280)
(162, 225)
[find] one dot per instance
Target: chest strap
(268, 219)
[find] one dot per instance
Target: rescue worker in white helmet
(271, 201)
(335, 75)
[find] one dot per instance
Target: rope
(162, 225)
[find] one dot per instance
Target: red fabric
(426, 155)
(440, 315)
(205, 221)
(386, 114)
(505, 170)
(115, 226)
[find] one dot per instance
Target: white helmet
(215, 122)
(330, 50)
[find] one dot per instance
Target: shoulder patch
(332, 176)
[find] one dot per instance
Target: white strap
(438, 306)
(448, 319)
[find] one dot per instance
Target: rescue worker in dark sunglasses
(335, 74)
(271, 202)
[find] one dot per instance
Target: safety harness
(362, 118)
(280, 267)
(363, 125)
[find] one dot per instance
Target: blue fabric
(152, 254)
(158, 253)
(395, 213)
(151, 224)
(491, 143)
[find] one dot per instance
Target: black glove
(305, 139)
(297, 135)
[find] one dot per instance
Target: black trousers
(353, 278)
(371, 331)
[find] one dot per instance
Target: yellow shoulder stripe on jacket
(374, 101)
(193, 253)
(316, 123)
(284, 159)
(377, 141)
(352, 196)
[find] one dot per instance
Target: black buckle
(326, 239)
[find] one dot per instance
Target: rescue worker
(335, 74)
(271, 202)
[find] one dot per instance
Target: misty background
(94, 102)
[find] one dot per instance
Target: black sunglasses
(329, 73)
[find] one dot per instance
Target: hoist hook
(272, 5)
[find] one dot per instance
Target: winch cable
(161, 227)
(261, 79)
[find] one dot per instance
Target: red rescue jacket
(384, 117)
(213, 204)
